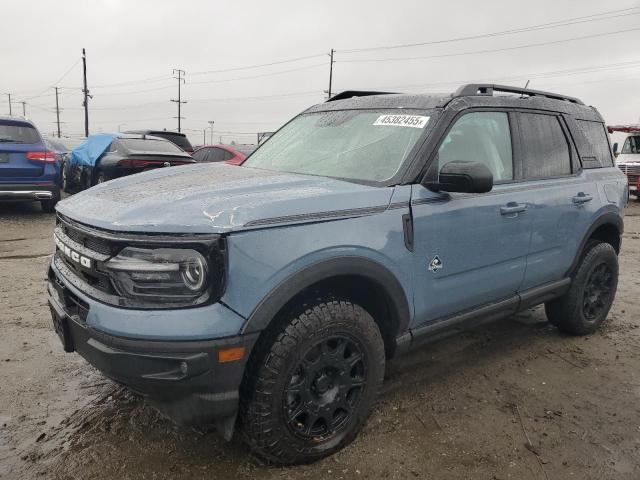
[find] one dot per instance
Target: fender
(348, 265)
(608, 217)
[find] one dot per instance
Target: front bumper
(35, 191)
(183, 379)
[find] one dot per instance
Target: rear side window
(597, 137)
(201, 155)
(482, 137)
(18, 133)
(179, 140)
(545, 150)
(216, 155)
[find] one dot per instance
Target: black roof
(466, 96)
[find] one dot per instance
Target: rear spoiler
(623, 128)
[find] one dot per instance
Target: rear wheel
(309, 390)
(100, 177)
(586, 305)
(49, 206)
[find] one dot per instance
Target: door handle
(581, 198)
(513, 207)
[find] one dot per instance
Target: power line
(56, 82)
(542, 26)
(308, 67)
(538, 75)
(227, 99)
(130, 82)
(249, 67)
(494, 50)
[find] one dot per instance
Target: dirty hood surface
(214, 198)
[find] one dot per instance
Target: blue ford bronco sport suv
(268, 297)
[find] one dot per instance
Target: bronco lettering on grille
(72, 254)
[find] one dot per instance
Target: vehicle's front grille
(91, 242)
(99, 250)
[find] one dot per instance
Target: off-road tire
(282, 356)
(572, 313)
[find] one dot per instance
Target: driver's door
(471, 248)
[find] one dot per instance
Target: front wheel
(311, 387)
(65, 184)
(586, 305)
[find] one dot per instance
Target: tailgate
(17, 139)
(14, 164)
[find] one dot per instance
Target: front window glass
(361, 145)
(482, 137)
(631, 145)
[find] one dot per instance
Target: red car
(232, 154)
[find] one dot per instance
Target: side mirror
(464, 177)
(615, 149)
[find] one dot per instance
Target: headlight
(160, 275)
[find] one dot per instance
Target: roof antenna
(525, 87)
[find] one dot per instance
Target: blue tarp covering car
(88, 152)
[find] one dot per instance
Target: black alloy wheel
(325, 388)
(597, 291)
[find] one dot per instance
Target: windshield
(631, 145)
(361, 145)
(148, 145)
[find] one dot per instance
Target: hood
(218, 198)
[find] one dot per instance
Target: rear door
(563, 196)
(17, 140)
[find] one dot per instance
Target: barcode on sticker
(415, 121)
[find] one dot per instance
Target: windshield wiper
(9, 140)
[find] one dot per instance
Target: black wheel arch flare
(373, 271)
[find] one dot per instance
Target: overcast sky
(132, 47)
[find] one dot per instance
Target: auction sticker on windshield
(414, 121)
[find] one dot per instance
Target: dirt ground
(515, 399)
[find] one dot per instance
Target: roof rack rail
(357, 93)
(482, 89)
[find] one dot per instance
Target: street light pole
(211, 122)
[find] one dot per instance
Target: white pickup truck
(628, 159)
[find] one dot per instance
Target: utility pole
(330, 72)
(179, 101)
(9, 95)
(57, 112)
(211, 122)
(24, 108)
(85, 91)
(204, 136)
